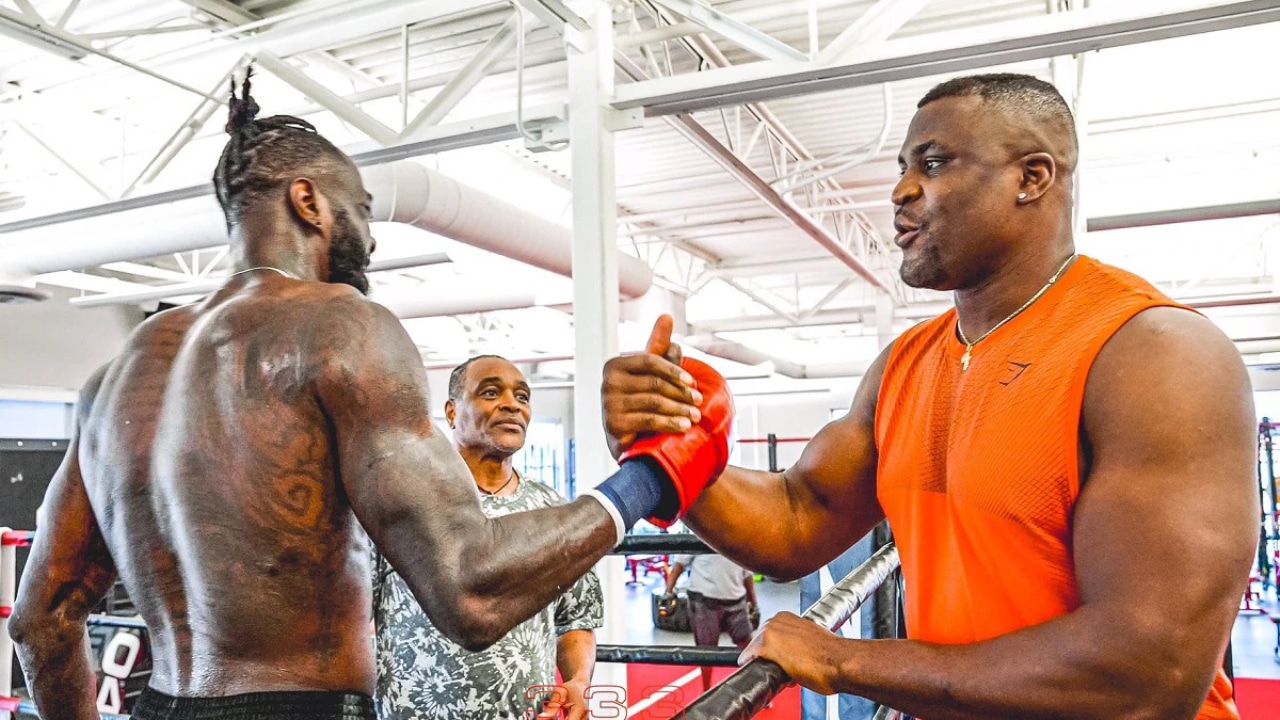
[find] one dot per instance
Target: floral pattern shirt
(424, 675)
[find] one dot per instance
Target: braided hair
(265, 154)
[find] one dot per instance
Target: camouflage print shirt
(424, 675)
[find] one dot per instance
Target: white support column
(1080, 219)
(1067, 72)
(595, 279)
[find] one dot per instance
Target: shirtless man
(225, 463)
(1067, 458)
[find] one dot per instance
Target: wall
(54, 345)
(787, 416)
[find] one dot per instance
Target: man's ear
(1039, 173)
(450, 411)
(309, 206)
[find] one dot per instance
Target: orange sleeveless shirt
(979, 469)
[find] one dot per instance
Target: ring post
(8, 583)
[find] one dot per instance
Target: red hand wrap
(694, 459)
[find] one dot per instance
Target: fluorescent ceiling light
(39, 38)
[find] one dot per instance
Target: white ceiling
(1177, 123)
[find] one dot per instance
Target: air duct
(403, 191)
(409, 193)
(739, 353)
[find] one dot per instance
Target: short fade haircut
(1023, 95)
(459, 375)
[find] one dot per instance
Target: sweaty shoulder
(359, 350)
(346, 325)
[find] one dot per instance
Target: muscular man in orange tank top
(1066, 458)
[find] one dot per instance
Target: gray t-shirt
(423, 674)
(715, 576)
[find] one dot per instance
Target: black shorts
(154, 705)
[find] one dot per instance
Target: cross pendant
(964, 359)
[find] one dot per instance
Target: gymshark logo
(1013, 372)
(16, 478)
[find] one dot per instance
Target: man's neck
(492, 473)
(285, 251)
(1002, 294)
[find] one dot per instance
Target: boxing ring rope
(661, 544)
(668, 655)
(738, 697)
(745, 693)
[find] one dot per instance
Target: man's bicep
(1168, 508)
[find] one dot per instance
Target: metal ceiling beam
(328, 99)
(756, 297)
(939, 53)
(69, 45)
(62, 160)
(208, 285)
(876, 25)
(705, 141)
(35, 34)
(194, 123)
(29, 11)
(465, 80)
(836, 316)
(468, 133)
(777, 266)
(735, 31)
(1182, 215)
(233, 16)
(693, 131)
(222, 10)
(555, 15)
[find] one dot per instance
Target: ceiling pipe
(148, 293)
(739, 353)
(415, 195)
(403, 191)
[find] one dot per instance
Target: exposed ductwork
(739, 353)
(403, 191)
(409, 193)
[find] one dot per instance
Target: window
(542, 457)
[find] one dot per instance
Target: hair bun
(242, 110)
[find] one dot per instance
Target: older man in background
(421, 673)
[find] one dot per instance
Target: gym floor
(1253, 643)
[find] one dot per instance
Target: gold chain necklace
(968, 346)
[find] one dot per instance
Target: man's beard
(348, 255)
(924, 269)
